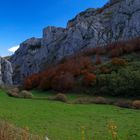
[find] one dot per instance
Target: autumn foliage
(61, 77)
(98, 60)
(81, 67)
(63, 82)
(89, 79)
(104, 70)
(32, 81)
(115, 49)
(118, 62)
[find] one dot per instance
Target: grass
(60, 121)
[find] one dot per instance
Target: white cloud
(13, 49)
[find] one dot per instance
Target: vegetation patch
(82, 70)
(59, 97)
(10, 132)
(62, 121)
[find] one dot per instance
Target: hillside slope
(109, 70)
(38, 117)
(117, 20)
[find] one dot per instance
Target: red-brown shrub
(63, 82)
(118, 62)
(114, 49)
(116, 52)
(46, 78)
(84, 72)
(89, 52)
(100, 50)
(123, 47)
(28, 83)
(62, 76)
(45, 83)
(128, 48)
(92, 51)
(75, 65)
(89, 79)
(98, 60)
(32, 81)
(104, 70)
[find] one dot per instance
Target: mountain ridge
(117, 20)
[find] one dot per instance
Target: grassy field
(60, 121)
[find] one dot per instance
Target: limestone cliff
(117, 20)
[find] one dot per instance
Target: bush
(115, 49)
(136, 104)
(45, 84)
(118, 62)
(124, 83)
(115, 52)
(60, 77)
(32, 81)
(98, 60)
(89, 79)
(25, 94)
(13, 92)
(100, 100)
(78, 70)
(123, 103)
(97, 100)
(46, 78)
(59, 97)
(104, 70)
(63, 82)
(74, 65)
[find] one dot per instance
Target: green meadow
(61, 121)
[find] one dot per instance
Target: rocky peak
(117, 20)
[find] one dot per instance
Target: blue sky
(22, 19)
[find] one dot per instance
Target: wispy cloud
(13, 49)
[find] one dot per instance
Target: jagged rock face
(26, 59)
(117, 20)
(5, 72)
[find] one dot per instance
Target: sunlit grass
(60, 121)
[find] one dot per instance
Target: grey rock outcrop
(117, 20)
(5, 72)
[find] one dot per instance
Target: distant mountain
(117, 20)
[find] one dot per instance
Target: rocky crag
(5, 72)
(117, 20)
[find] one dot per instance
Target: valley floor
(61, 121)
